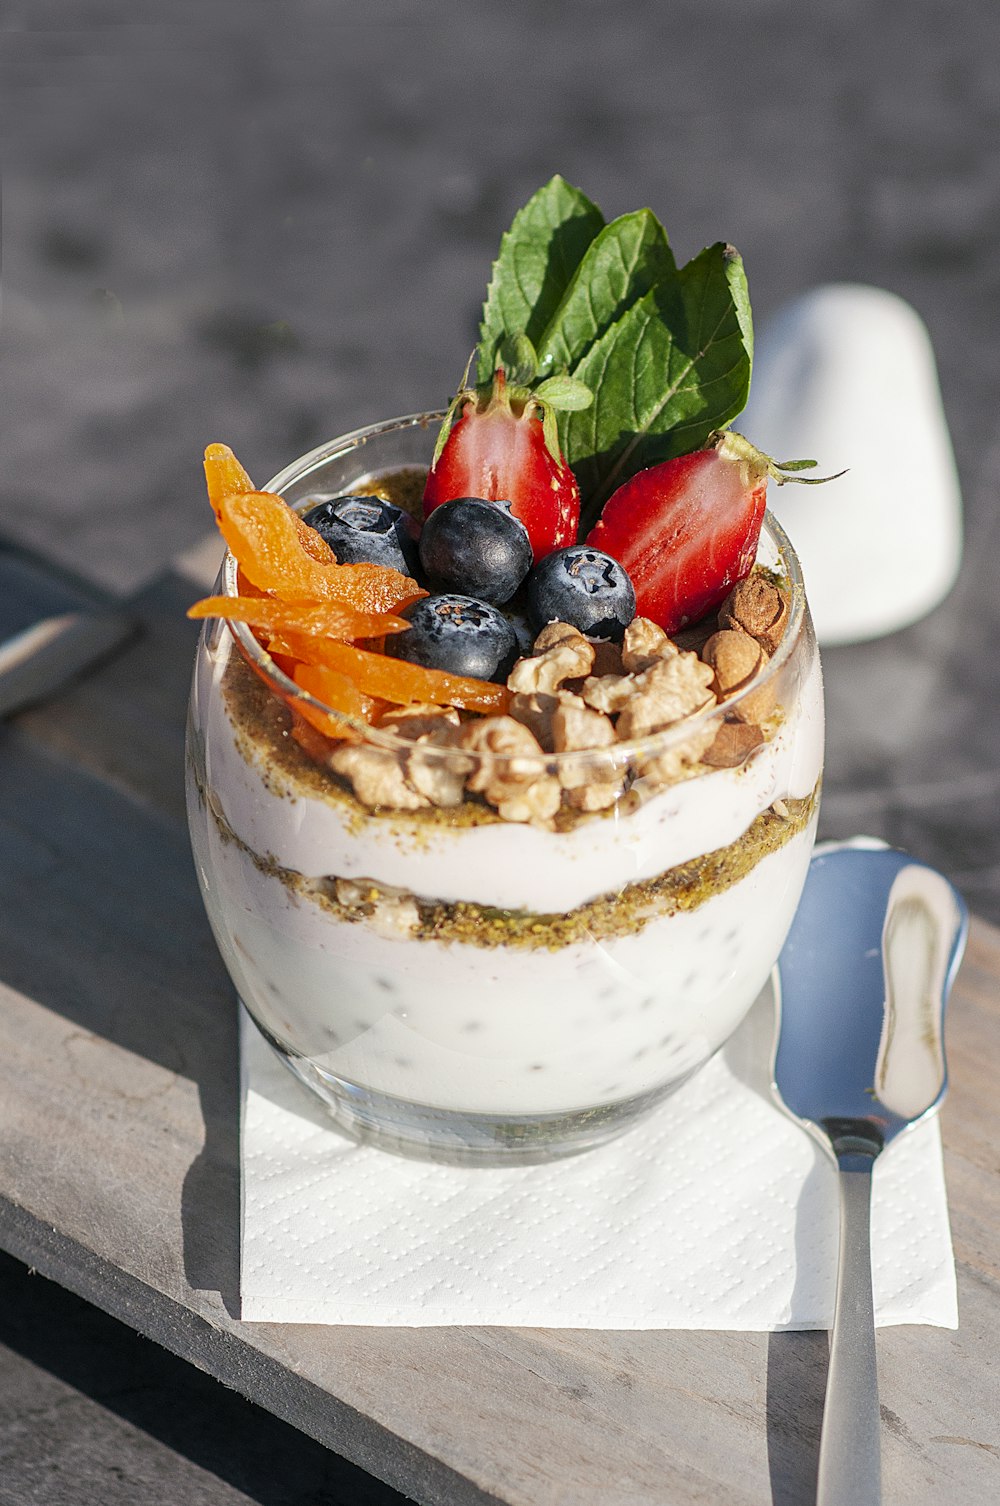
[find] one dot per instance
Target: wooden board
(119, 1178)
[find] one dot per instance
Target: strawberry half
(687, 531)
(504, 447)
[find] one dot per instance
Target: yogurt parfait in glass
(494, 869)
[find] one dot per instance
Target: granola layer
(399, 912)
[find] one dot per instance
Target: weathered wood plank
(119, 1177)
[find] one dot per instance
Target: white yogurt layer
(508, 865)
(500, 1030)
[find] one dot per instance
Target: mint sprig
(665, 351)
(538, 256)
(624, 261)
(671, 371)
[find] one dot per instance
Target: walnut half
(510, 772)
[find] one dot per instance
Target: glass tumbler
(457, 985)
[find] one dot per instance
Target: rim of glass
(618, 754)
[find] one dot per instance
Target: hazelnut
(756, 606)
(735, 659)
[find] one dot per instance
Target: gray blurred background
(267, 223)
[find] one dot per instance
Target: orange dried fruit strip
(396, 680)
(223, 474)
(336, 691)
(329, 619)
(375, 588)
(315, 744)
(312, 542)
(266, 537)
(260, 531)
(246, 587)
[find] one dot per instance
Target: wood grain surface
(119, 1177)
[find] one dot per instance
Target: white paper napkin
(715, 1212)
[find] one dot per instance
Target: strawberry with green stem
(501, 443)
(687, 530)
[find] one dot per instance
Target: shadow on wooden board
(102, 1381)
(100, 915)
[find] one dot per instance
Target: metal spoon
(859, 1057)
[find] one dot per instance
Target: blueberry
(584, 587)
(456, 633)
(475, 546)
(366, 529)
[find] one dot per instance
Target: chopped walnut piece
(644, 645)
(537, 709)
(609, 693)
(534, 710)
(511, 771)
(607, 657)
(671, 690)
(732, 745)
(390, 912)
(501, 737)
(561, 653)
(596, 796)
(440, 780)
(419, 720)
(554, 633)
(674, 764)
(575, 726)
(756, 606)
(663, 696)
(735, 659)
(536, 802)
(377, 776)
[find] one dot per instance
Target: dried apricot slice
(327, 619)
(223, 474)
(312, 542)
(266, 537)
(375, 588)
(260, 531)
(315, 744)
(396, 680)
(338, 692)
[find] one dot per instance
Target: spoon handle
(850, 1451)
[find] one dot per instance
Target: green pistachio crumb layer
(615, 915)
(608, 917)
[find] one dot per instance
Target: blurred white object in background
(846, 375)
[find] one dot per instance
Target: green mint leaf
(516, 355)
(672, 369)
(564, 392)
(550, 429)
(538, 256)
(621, 265)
